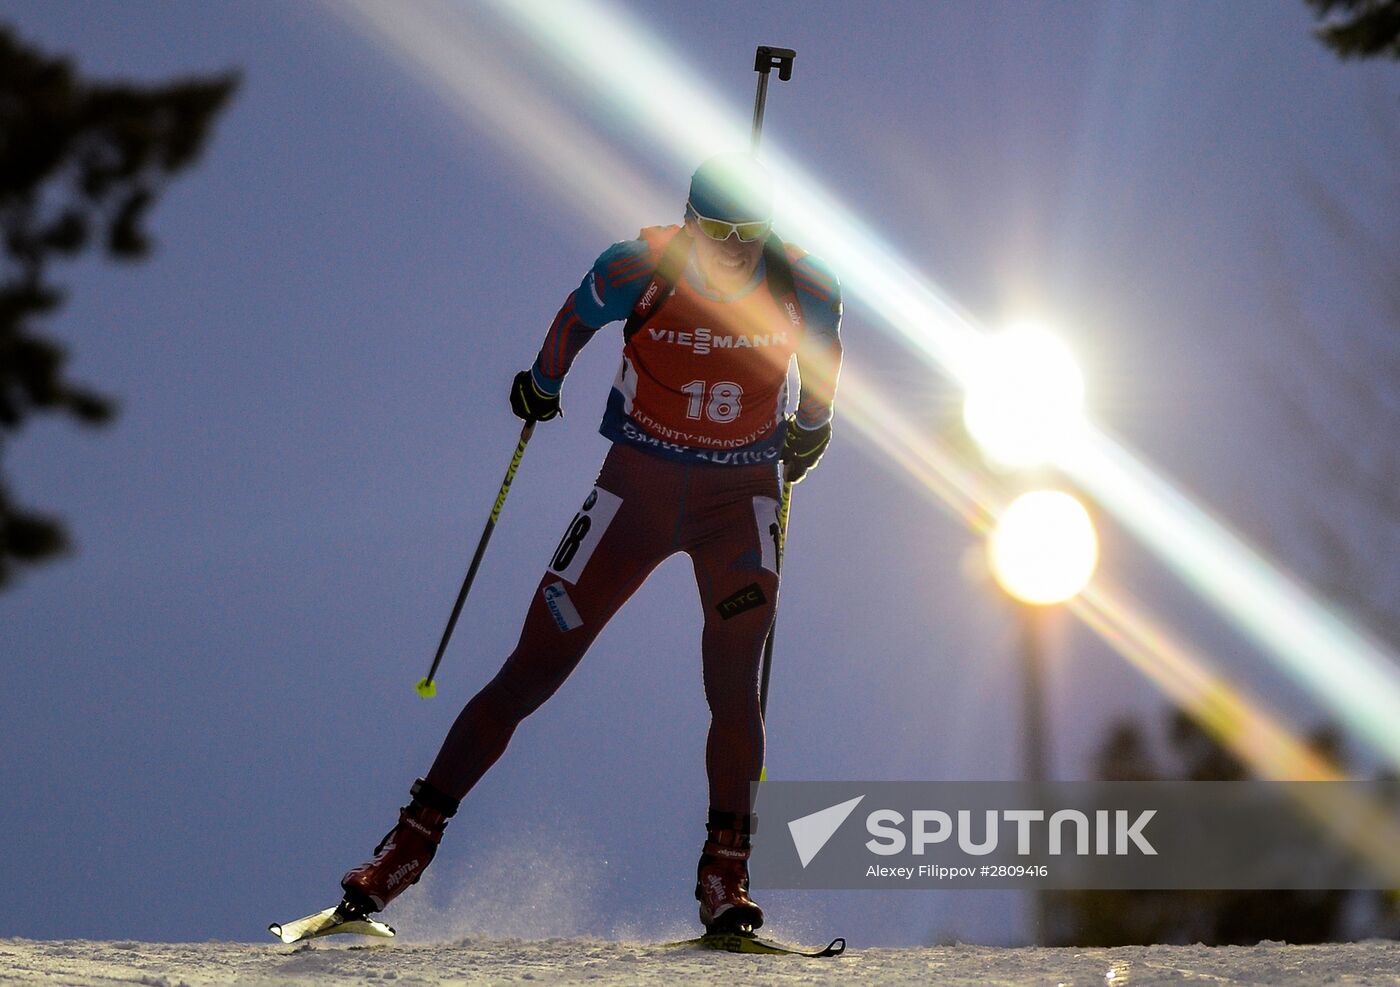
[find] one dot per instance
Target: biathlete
(713, 311)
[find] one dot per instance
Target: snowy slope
(493, 961)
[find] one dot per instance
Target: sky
(210, 705)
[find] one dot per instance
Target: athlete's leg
(732, 540)
(624, 530)
(734, 552)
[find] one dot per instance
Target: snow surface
(593, 961)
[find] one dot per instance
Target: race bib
(583, 534)
(765, 514)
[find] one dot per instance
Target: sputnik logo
(812, 832)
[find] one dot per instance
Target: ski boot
(722, 878)
(402, 856)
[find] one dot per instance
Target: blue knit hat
(732, 187)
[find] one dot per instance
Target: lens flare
(1025, 397)
(607, 51)
(498, 82)
(1044, 547)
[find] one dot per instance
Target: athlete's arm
(607, 294)
(819, 353)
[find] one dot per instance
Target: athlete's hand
(529, 402)
(803, 448)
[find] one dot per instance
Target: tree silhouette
(1330, 377)
(1213, 917)
(1359, 28)
(81, 164)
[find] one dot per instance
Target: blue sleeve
(612, 287)
(607, 294)
(819, 355)
(819, 292)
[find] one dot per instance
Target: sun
(1024, 397)
(1044, 548)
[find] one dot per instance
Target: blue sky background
(209, 708)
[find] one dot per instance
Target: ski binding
(748, 942)
(330, 922)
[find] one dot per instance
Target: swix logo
(793, 313)
(649, 297)
(702, 340)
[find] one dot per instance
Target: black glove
(803, 448)
(529, 402)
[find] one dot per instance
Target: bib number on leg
(582, 535)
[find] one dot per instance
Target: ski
(747, 942)
(330, 922)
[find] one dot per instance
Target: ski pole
(765, 60)
(783, 507)
(427, 688)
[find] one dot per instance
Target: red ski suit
(696, 418)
